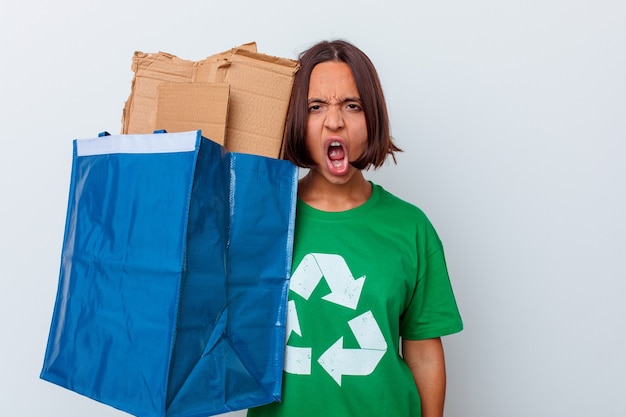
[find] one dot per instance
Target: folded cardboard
(165, 88)
(150, 70)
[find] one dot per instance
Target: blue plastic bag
(174, 276)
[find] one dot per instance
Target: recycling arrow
(344, 289)
(297, 359)
(338, 361)
(293, 323)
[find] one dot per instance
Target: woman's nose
(334, 118)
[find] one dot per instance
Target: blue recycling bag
(174, 276)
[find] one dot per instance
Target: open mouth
(337, 158)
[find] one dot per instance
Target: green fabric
(371, 275)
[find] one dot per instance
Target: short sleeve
(432, 310)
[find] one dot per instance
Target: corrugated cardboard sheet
(203, 105)
(241, 92)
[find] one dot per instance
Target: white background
(512, 115)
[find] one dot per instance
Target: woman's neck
(317, 192)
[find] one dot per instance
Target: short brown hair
(379, 141)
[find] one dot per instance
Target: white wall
(513, 118)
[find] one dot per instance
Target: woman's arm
(426, 361)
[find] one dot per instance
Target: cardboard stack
(238, 98)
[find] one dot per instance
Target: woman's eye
(314, 107)
(353, 106)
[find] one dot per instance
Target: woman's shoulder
(393, 202)
(406, 215)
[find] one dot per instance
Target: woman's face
(336, 126)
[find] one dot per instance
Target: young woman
(369, 269)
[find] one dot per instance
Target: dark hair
(379, 141)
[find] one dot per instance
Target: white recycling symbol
(344, 291)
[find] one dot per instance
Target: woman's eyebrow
(323, 101)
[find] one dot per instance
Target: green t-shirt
(361, 279)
